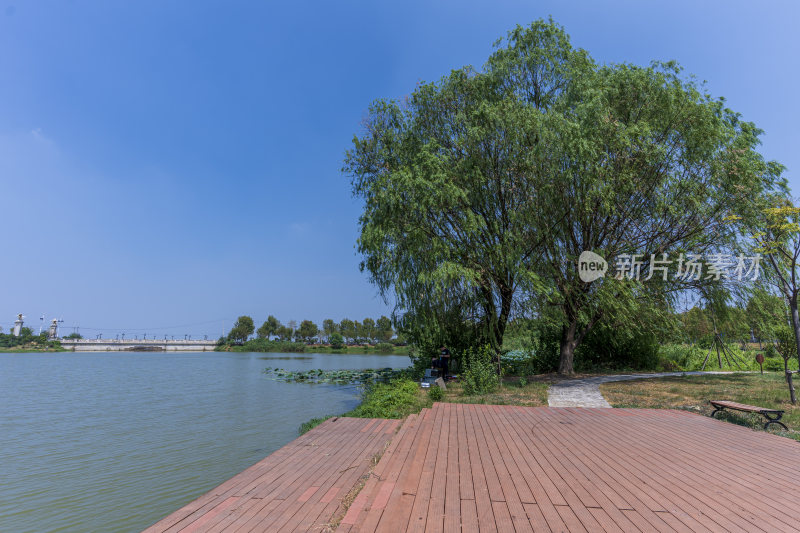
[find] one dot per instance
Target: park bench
(773, 416)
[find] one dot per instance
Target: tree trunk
(569, 340)
(795, 324)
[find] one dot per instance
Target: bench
(773, 416)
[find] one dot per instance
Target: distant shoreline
(310, 348)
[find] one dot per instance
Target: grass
(533, 394)
(391, 400)
(305, 427)
(694, 392)
(403, 397)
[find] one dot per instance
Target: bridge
(133, 345)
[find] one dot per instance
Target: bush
(480, 374)
(389, 400)
(384, 347)
(774, 364)
(607, 347)
(435, 394)
(771, 351)
(337, 341)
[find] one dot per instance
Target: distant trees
(307, 331)
(384, 329)
(269, 328)
(242, 328)
(336, 340)
(348, 329)
(766, 314)
(368, 331)
(329, 327)
(73, 336)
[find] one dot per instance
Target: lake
(114, 441)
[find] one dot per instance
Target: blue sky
(176, 164)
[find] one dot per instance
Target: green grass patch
(694, 392)
(396, 399)
(530, 394)
(305, 427)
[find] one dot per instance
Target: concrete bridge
(133, 345)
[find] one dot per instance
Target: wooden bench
(773, 416)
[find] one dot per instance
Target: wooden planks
(506, 468)
(459, 467)
(300, 486)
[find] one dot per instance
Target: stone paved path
(585, 392)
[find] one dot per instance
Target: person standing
(444, 361)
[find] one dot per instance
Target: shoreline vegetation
(278, 346)
(27, 342)
(403, 396)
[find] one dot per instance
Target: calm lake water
(115, 441)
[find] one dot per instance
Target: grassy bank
(395, 399)
(693, 393)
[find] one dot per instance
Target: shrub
(773, 364)
(435, 394)
(337, 341)
(388, 400)
(607, 347)
(480, 374)
(771, 351)
(384, 347)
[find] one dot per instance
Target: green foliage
(384, 329)
(480, 373)
(329, 327)
(765, 313)
(269, 328)
(305, 427)
(678, 357)
(337, 377)
(389, 400)
(336, 340)
(73, 336)
(771, 352)
(435, 394)
(242, 328)
(384, 347)
(265, 345)
(774, 365)
(481, 191)
(26, 341)
(608, 348)
(787, 344)
(348, 329)
(307, 331)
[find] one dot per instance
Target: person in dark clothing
(444, 360)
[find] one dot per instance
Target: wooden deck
(297, 488)
(459, 467)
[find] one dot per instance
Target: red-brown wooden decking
(459, 467)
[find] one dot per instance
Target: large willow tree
(482, 189)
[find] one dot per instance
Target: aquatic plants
(336, 377)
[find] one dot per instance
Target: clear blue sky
(171, 163)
